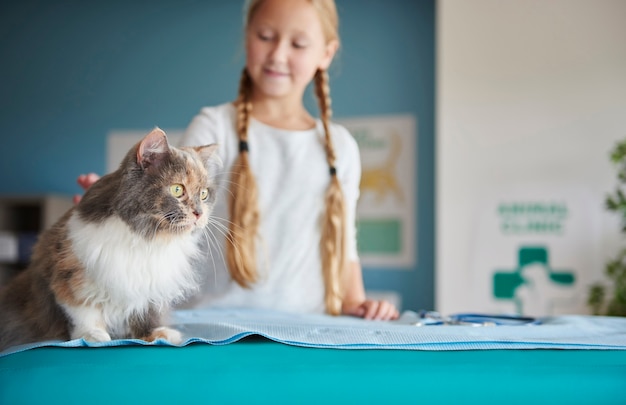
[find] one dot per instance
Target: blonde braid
(243, 207)
(333, 238)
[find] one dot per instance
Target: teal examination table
(244, 356)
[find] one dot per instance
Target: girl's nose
(279, 51)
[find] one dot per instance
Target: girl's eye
(265, 37)
(177, 190)
(204, 194)
(300, 41)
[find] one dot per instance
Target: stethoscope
(429, 318)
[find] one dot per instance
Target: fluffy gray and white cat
(115, 262)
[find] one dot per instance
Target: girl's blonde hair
(244, 211)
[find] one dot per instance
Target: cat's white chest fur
(125, 273)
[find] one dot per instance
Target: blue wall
(73, 70)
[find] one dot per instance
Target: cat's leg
(147, 327)
(86, 323)
(163, 332)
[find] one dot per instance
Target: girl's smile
(274, 73)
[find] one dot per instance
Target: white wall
(531, 98)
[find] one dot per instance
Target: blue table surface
(257, 370)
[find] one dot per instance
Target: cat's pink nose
(197, 213)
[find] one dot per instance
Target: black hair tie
(243, 146)
(333, 171)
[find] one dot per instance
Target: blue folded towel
(221, 326)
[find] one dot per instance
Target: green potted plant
(611, 300)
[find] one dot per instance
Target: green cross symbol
(505, 282)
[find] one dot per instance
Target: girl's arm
(355, 303)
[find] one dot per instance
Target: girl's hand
(85, 181)
(371, 309)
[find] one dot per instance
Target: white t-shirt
(292, 176)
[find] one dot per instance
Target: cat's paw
(95, 335)
(171, 335)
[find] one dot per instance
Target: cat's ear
(208, 155)
(152, 149)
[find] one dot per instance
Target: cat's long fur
(113, 264)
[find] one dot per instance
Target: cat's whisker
(219, 224)
(228, 236)
(164, 219)
(224, 231)
(227, 233)
(226, 221)
(211, 237)
(226, 180)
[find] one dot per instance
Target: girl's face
(285, 46)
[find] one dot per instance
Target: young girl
(290, 182)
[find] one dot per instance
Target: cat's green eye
(177, 190)
(204, 194)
